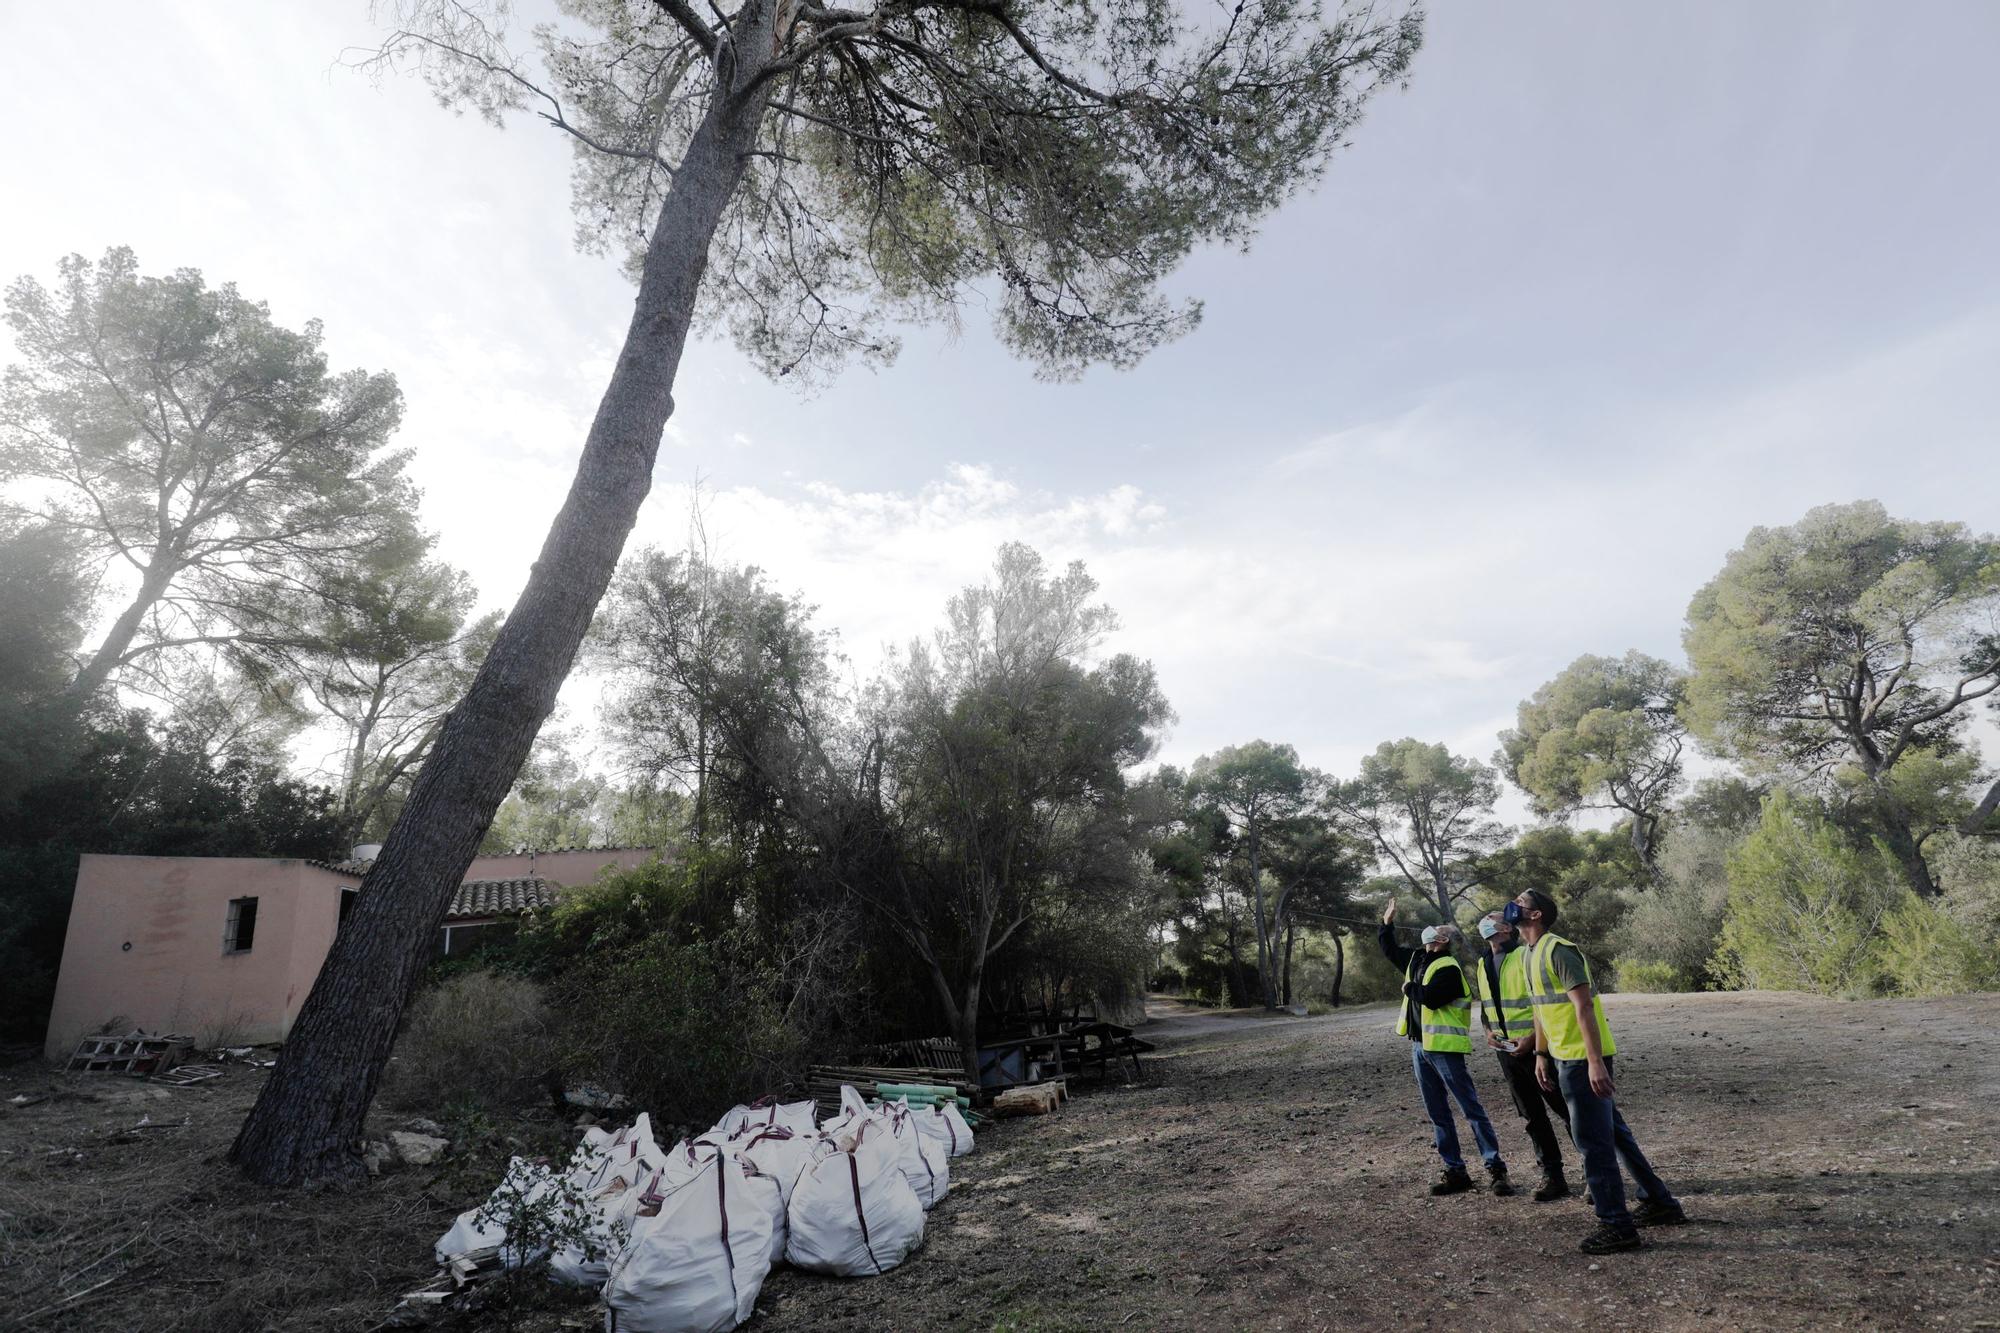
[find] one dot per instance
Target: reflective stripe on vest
(1446, 1029)
(1558, 1014)
(1513, 1015)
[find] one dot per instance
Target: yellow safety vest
(1446, 1029)
(1552, 1003)
(1511, 1013)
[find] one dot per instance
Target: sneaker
(1453, 1181)
(1551, 1189)
(1651, 1214)
(1611, 1240)
(1501, 1187)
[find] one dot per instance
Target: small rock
(422, 1126)
(417, 1149)
(375, 1155)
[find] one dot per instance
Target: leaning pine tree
(809, 175)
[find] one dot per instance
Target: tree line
(1842, 839)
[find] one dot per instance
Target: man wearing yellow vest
(1574, 1051)
(1436, 1016)
(1507, 1013)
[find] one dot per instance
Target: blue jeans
(1442, 1071)
(1602, 1138)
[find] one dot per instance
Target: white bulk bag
(524, 1184)
(613, 1192)
(685, 1159)
(945, 1124)
(772, 1199)
(779, 1153)
(853, 1108)
(697, 1264)
(925, 1162)
(633, 1141)
(796, 1116)
(853, 1214)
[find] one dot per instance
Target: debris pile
(680, 1240)
(137, 1053)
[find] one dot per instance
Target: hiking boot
(1498, 1175)
(1652, 1214)
(1611, 1240)
(1551, 1189)
(1453, 1181)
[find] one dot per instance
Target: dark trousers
(1602, 1138)
(1443, 1072)
(1535, 1108)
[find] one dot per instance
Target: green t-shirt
(1566, 964)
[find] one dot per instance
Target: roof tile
(502, 897)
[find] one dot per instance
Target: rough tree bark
(1339, 967)
(1975, 823)
(307, 1123)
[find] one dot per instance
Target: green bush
(1675, 928)
(1926, 951)
(477, 1039)
(678, 1028)
(1653, 978)
(1805, 906)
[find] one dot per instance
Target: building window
(242, 931)
(347, 897)
(462, 940)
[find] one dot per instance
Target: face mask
(1488, 927)
(1430, 934)
(1511, 914)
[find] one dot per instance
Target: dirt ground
(1840, 1162)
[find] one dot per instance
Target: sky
(1604, 288)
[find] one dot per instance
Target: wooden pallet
(137, 1054)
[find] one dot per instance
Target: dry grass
(476, 1039)
(103, 1227)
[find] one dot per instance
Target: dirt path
(1842, 1162)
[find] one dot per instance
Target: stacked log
(1039, 1099)
(921, 1087)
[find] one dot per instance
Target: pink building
(224, 949)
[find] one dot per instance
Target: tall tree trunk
(1903, 845)
(1265, 944)
(1644, 829)
(308, 1120)
(1232, 936)
(1290, 931)
(1898, 835)
(1975, 823)
(118, 639)
(1339, 967)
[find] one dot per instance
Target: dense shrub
(476, 1039)
(1668, 939)
(679, 1027)
(1925, 950)
(1805, 905)
(1654, 978)
(659, 991)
